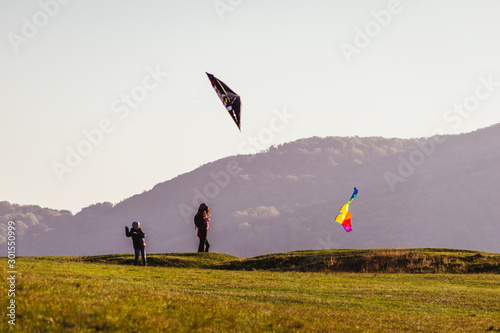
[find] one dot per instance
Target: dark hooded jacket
(137, 237)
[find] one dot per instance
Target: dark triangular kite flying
(229, 98)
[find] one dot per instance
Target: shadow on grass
(188, 260)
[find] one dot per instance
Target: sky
(102, 100)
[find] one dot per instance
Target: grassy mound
(187, 260)
(373, 261)
(348, 261)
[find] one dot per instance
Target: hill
(413, 193)
(372, 261)
(88, 294)
(326, 261)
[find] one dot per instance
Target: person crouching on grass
(138, 239)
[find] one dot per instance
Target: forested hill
(429, 192)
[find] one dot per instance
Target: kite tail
(353, 195)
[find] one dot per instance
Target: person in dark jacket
(201, 220)
(139, 242)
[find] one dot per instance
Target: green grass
(106, 293)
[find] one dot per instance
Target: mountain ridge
(424, 192)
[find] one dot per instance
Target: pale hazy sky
(123, 83)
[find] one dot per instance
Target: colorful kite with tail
(344, 217)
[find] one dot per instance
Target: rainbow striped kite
(344, 217)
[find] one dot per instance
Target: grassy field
(217, 293)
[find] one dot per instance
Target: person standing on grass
(201, 220)
(138, 240)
